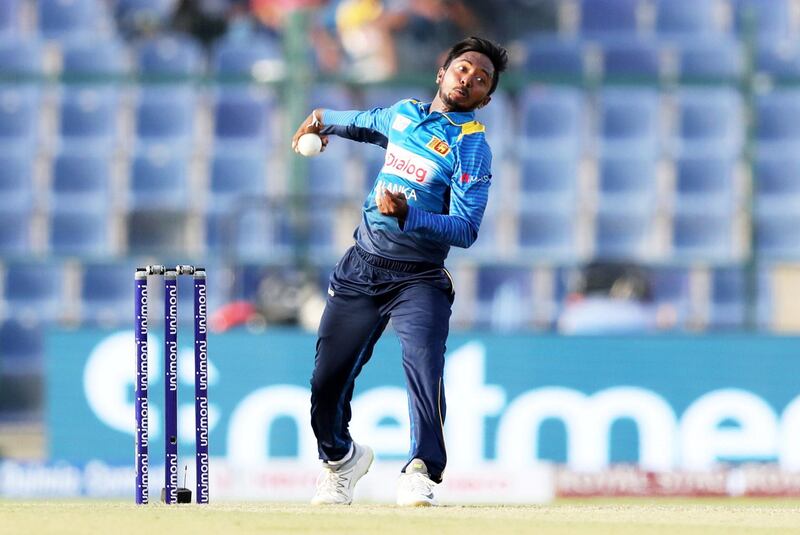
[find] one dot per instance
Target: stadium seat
(167, 56)
(16, 181)
(670, 288)
(629, 121)
(242, 117)
(251, 58)
(552, 121)
(10, 17)
(80, 181)
(601, 18)
(159, 178)
(555, 58)
(19, 57)
(710, 120)
(332, 97)
(683, 18)
(497, 118)
(83, 233)
(632, 60)
(158, 232)
(710, 60)
(236, 178)
(106, 293)
(89, 118)
(728, 302)
(328, 172)
(703, 236)
(70, 19)
(625, 181)
(505, 298)
(19, 116)
(15, 232)
(143, 15)
(547, 235)
(777, 120)
(776, 183)
(623, 235)
(384, 97)
(776, 236)
(765, 18)
(166, 116)
(94, 60)
(33, 291)
(550, 180)
(705, 183)
(778, 58)
(22, 348)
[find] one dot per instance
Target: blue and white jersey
(440, 161)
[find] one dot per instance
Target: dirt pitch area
(565, 516)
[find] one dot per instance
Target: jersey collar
(456, 118)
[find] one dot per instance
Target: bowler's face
(465, 84)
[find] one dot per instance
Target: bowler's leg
(349, 328)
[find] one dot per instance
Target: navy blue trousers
(366, 291)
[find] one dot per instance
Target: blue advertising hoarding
(665, 402)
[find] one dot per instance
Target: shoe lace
(419, 484)
(330, 482)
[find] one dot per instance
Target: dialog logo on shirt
(405, 164)
(438, 146)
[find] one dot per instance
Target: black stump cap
(184, 495)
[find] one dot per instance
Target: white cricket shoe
(335, 484)
(415, 487)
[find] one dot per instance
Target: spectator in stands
(207, 20)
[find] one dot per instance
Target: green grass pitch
(637, 516)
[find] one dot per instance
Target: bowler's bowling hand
(311, 125)
(393, 204)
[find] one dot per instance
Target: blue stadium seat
(776, 236)
(600, 18)
(332, 97)
(19, 116)
(629, 121)
(254, 57)
(623, 235)
(705, 183)
(243, 118)
(106, 293)
(552, 121)
(82, 233)
(154, 232)
(632, 60)
(710, 60)
(256, 232)
(547, 235)
(384, 97)
(767, 18)
(15, 232)
(555, 58)
(625, 181)
(681, 18)
(776, 181)
(550, 180)
(33, 291)
(236, 177)
(93, 59)
(20, 57)
(21, 347)
(81, 181)
(670, 288)
(777, 120)
(703, 236)
(166, 116)
(505, 298)
(16, 181)
(89, 118)
(72, 19)
(498, 117)
(133, 15)
(778, 58)
(168, 56)
(328, 171)
(710, 120)
(10, 17)
(728, 302)
(159, 178)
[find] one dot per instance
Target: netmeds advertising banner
(661, 403)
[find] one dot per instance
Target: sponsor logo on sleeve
(438, 146)
(407, 165)
(401, 122)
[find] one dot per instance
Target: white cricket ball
(309, 144)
